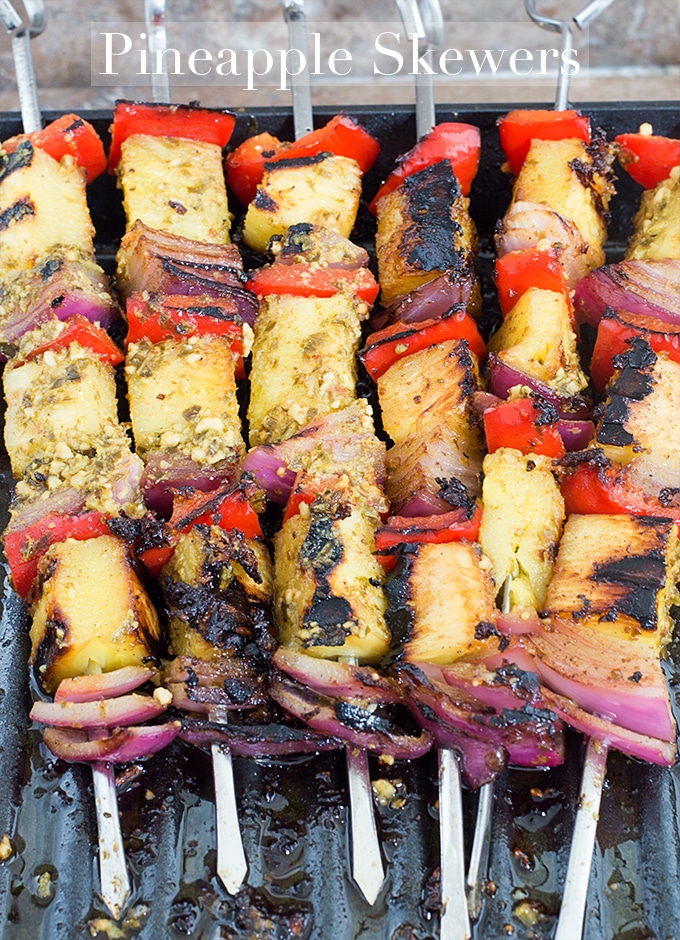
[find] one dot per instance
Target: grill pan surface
(294, 814)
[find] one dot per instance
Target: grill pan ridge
(294, 814)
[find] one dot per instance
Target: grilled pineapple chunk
(521, 523)
(443, 600)
(176, 186)
(304, 362)
(657, 224)
(58, 403)
(328, 596)
(92, 614)
(42, 204)
(212, 584)
(323, 190)
(616, 576)
(424, 229)
(560, 174)
(537, 338)
(426, 386)
(640, 414)
(183, 395)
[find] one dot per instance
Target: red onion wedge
(432, 300)
(353, 723)
(264, 740)
(126, 744)
(576, 435)
(105, 713)
(166, 472)
(103, 684)
(650, 288)
(337, 679)
(503, 377)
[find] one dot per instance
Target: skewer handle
(22, 30)
(232, 866)
(303, 118)
(455, 921)
(113, 874)
(156, 40)
(573, 910)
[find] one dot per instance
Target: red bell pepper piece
(518, 128)
(313, 280)
(295, 501)
(451, 526)
(230, 509)
(517, 271)
(593, 489)
(341, 136)
(460, 144)
(211, 125)
(68, 135)
(178, 316)
(89, 335)
(399, 340)
(647, 158)
(520, 424)
(614, 331)
(25, 548)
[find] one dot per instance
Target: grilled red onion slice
(432, 300)
(106, 713)
(651, 288)
(353, 723)
(267, 740)
(63, 501)
(103, 684)
(646, 748)
(125, 744)
(503, 377)
(337, 679)
(167, 471)
(576, 435)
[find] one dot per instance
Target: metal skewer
(303, 118)
(574, 898)
(156, 41)
(232, 865)
(113, 873)
(423, 20)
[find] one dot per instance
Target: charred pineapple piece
(537, 338)
(426, 386)
(183, 395)
(42, 204)
(328, 596)
(424, 230)
(59, 403)
(640, 414)
(217, 587)
(312, 244)
(304, 362)
(175, 185)
(657, 223)
(616, 576)
(562, 175)
(523, 514)
(441, 602)
(91, 614)
(323, 190)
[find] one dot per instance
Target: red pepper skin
(516, 424)
(68, 135)
(460, 144)
(517, 271)
(592, 489)
(89, 335)
(232, 511)
(179, 316)
(398, 340)
(614, 331)
(341, 136)
(451, 526)
(211, 125)
(295, 501)
(25, 548)
(518, 128)
(647, 158)
(307, 280)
